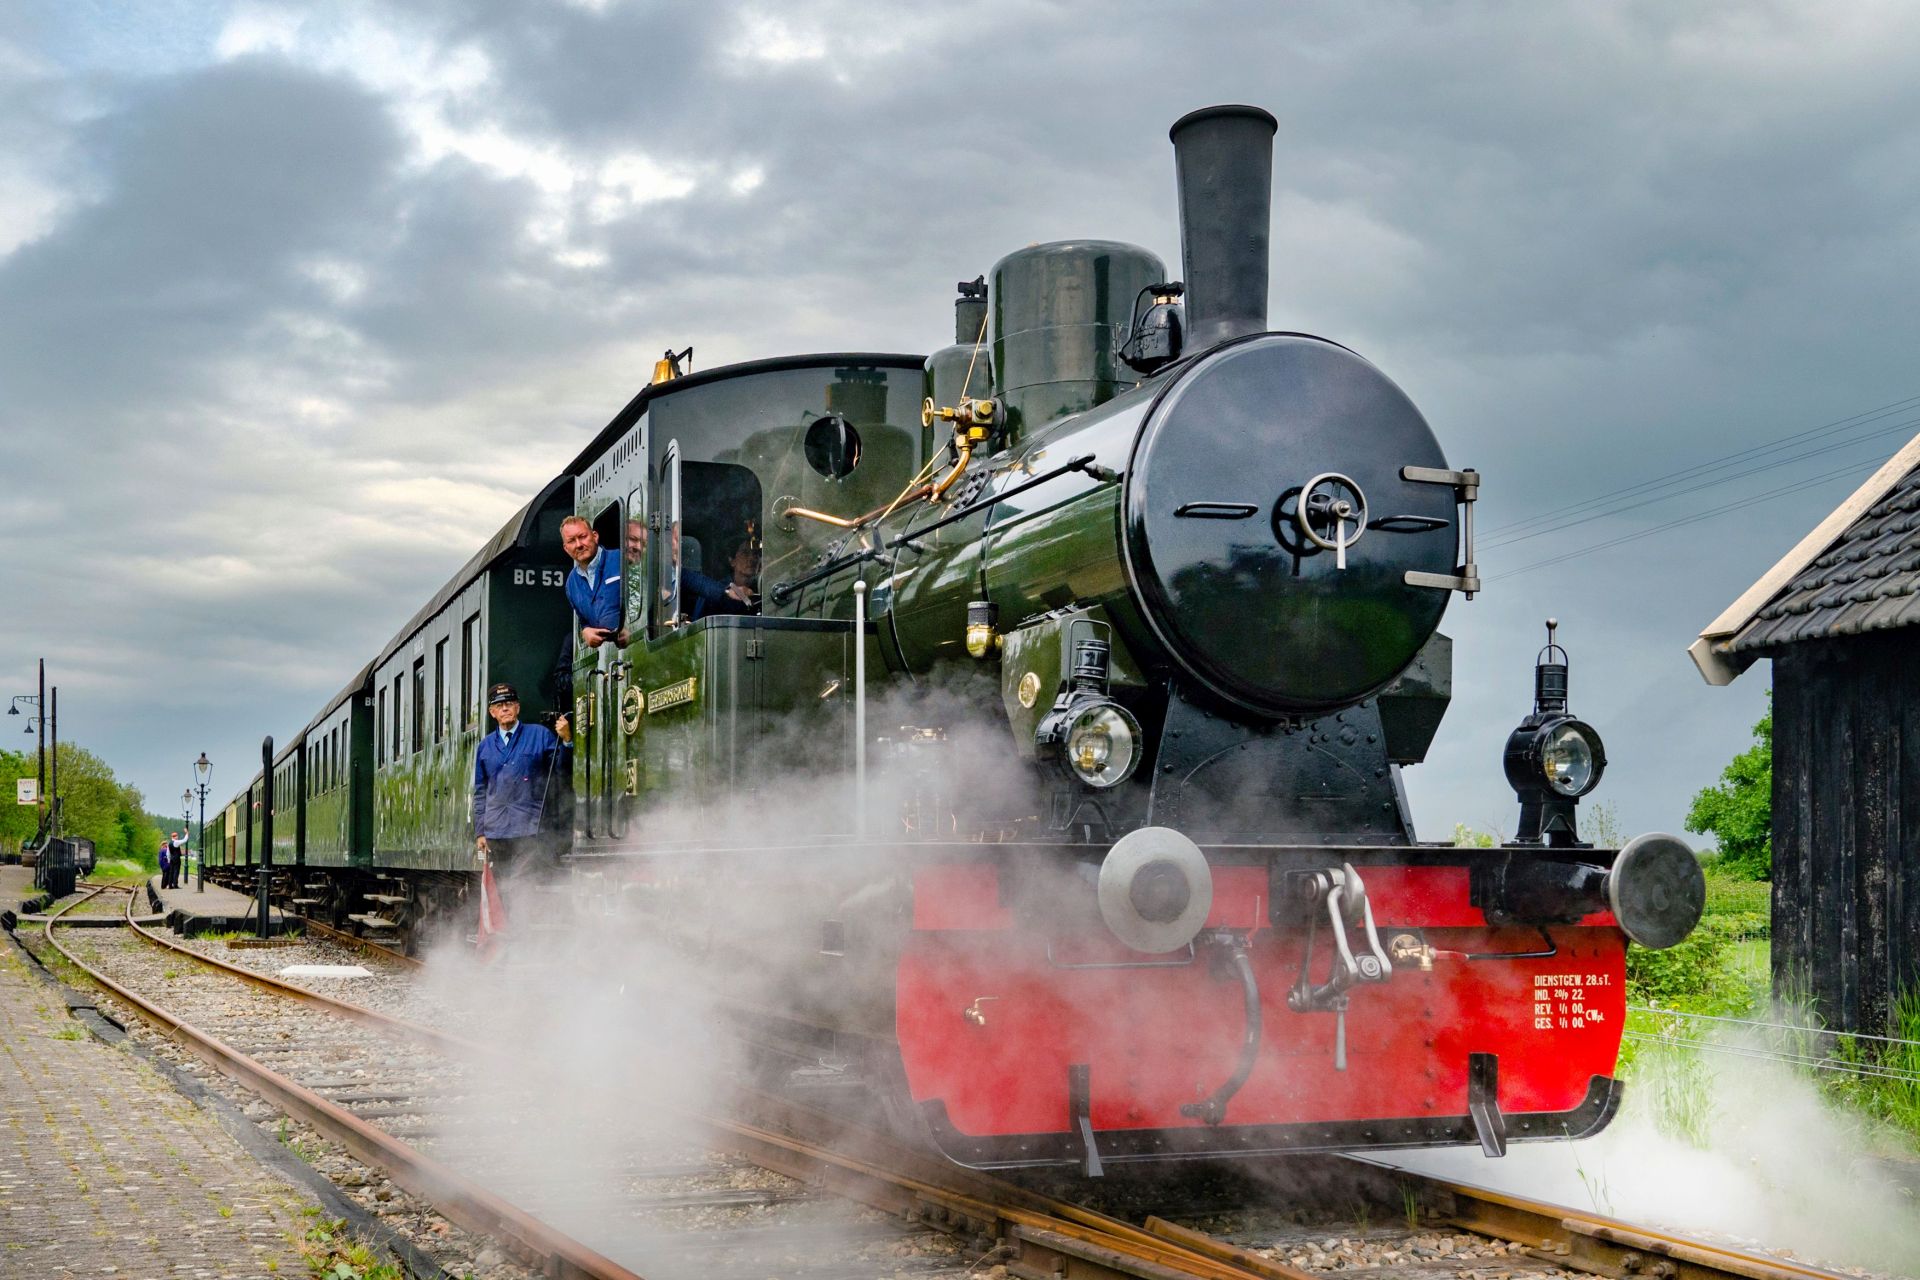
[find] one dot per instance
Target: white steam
(1764, 1159)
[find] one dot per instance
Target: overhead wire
(1711, 465)
(1906, 425)
(1853, 468)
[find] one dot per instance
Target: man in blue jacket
(593, 585)
(513, 771)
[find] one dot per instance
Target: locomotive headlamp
(1569, 757)
(1095, 738)
(1103, 745)
(1552, 759)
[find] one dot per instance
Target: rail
(1596, 1243)
(459, 1199)
(354, 940)
(1031, 1234)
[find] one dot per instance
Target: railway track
(402, 1096)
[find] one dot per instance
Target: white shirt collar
(592, 570)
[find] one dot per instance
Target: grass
(332, 1253)
(296, 1145)
(1892, 1100)
(1725, 970)
(238, 935)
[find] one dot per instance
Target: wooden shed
(1839, 617)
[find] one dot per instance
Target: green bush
(1683, 973)
(1700, 974)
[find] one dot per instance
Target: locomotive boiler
(1052, 787)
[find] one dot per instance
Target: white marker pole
(860, 706)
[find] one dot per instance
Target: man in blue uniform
(513, 771)
(593, 586)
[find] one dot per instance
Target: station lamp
(1552, 759)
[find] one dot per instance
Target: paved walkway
(106, 1170)
(16, 883)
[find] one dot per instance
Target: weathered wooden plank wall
(1846, 824)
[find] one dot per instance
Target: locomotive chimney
(1223, 162)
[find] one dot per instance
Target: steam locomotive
(1054, 783)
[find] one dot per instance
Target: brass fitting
(946, 482)
(667, 367)
(973, 419)
(1405, 948)
(974, 1013)
(981, 637)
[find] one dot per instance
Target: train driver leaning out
(514, 771)
(593, 586)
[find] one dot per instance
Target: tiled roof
(1868, 580)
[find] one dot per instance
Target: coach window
(380, 732)
(399, 687)
(419, 703)
(469, 669)
(440, 688)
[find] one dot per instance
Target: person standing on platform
(514, 771)
(166, 864)
(179, 843)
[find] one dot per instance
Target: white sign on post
(26, 790)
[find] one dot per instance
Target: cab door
(595, 720)
(667, 667)
(628, 701)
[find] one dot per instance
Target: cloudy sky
(298, 303)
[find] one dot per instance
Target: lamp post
(203, 770)
(53, 813)
(38, 721)
(186, 830)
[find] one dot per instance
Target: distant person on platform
(166, 864)
(593, 587)
(514, 771)
(179, 843)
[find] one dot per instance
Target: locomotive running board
(1201, 1142)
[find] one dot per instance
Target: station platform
(212, 910)
(16, 886)
(105, 1169)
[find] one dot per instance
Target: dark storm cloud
(219, 183)
(319, 304)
